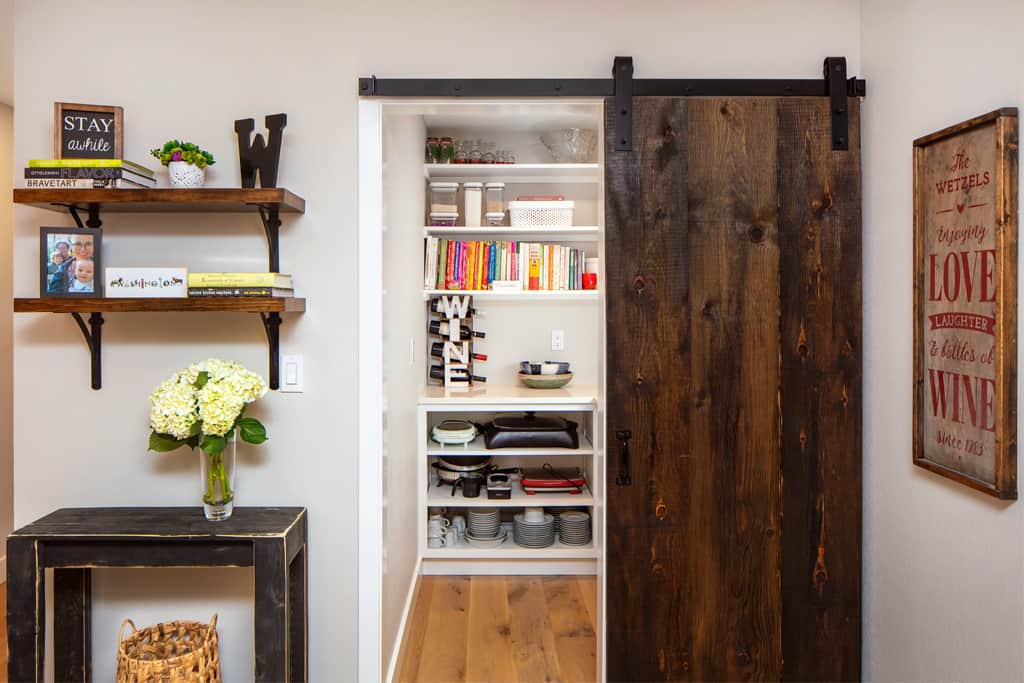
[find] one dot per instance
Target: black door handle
(624, 478)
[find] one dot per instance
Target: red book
(462, 265)
(449, 267)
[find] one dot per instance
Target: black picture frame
(55, 283)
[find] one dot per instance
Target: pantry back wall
(188, 69)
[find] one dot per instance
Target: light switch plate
(557, 340)
(291, 374)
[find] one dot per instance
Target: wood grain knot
(844, 398)
(661, 510)
(801, 342)
(820, 575)
(701, 399)
(803, 438)
(769, 532)
(743, 657)
(756, 233)
(724, 110)
(639, 379)
(847, 347)
(639, 284)
(706, 308)
(669, 133)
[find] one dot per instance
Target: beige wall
(189, 68)
(943, 593)
(6, 408)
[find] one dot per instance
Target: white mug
(440, 520)
(534, 515)
(436, 542)
(435, 528)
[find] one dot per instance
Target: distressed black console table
(72, 541)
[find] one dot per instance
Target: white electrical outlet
(557, 340)
(291, 374)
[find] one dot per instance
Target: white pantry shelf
(582, 397)
(441, 496)
(509, 550)
(515, 173)
(518, 295)
(551, 233)
(476, 447)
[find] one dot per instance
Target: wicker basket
(540, 214)
(175, 652)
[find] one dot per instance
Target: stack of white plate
(575, 528)
(534, 534)
(484, 522)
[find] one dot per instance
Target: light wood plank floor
(499, 629)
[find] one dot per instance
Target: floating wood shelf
(270, 311)
(165, 200)
(207, 304)
(270, 203)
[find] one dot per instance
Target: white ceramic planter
(184, 174)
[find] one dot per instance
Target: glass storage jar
(494, 219)
(443, 197)
(472, 197)
(443, 219)
(494, 198)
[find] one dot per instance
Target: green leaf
(201, 380)
(251, 430)
(213, 444)
(163, 443)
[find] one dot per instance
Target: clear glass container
(472, 196)
(474, 152)
(217, 478)
(443, 219)
(443, 197)
(493, 220)
(461, 157)
(488, 155)
(494, 198)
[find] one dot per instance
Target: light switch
(291, 381)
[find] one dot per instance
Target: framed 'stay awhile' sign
(87, 131)
(965, 303)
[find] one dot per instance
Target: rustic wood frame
(1004, 122)
(58, 115)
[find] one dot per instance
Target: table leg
(26, 611)
(297, 619)
(271, 610)
(72, 628)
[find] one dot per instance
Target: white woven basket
(526, 214)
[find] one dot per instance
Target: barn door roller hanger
(623, 87)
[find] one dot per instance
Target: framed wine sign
(965, 303)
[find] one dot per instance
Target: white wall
(6, 52)
(6, 316)
(202, 64)
(942, 585)
(404, 368)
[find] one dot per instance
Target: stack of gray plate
(536, 534)
(575, 528)
(484, 522)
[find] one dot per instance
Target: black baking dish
(531, 431)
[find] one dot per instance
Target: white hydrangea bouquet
(203, 407)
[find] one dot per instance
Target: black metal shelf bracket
(271, 216)
(93, 334)
(835, 77)
(272, 326)
(622, 72)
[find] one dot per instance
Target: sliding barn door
(733, 267)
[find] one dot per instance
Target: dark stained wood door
(733, 268)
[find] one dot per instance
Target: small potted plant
(186, 163)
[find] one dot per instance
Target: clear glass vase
(217, 478)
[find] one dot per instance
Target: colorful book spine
(239, 280)
(253, 292)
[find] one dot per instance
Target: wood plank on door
(821, 393)
(735, 525)
(649, 622)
